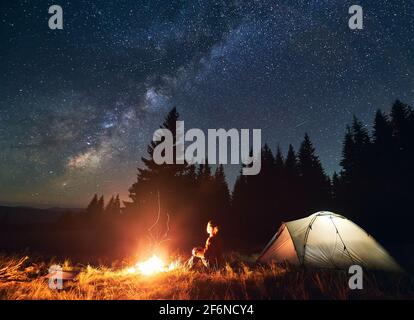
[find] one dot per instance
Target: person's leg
(192, 262)
(206, 263)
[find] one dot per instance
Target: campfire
(153, 266)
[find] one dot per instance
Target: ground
(26, 278)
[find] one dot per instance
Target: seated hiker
(210, 255)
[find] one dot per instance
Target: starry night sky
(78, 106)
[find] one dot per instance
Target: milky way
(78, 106)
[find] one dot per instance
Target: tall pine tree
(315, 185)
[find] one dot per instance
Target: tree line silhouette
(374, 188)
(97, 206)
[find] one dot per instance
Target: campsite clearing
(238, 281)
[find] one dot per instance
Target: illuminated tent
(327, 240)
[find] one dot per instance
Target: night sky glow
(78, 106)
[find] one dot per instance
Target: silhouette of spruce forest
(171, 204)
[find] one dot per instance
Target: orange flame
(152, 266)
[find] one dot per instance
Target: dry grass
(23, 278)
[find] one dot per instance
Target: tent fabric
(327, 240)
(283, 248)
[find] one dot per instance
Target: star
(81, 105)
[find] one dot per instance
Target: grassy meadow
(22, 278)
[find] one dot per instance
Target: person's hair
(214, 226)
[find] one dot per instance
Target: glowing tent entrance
(327, 240)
